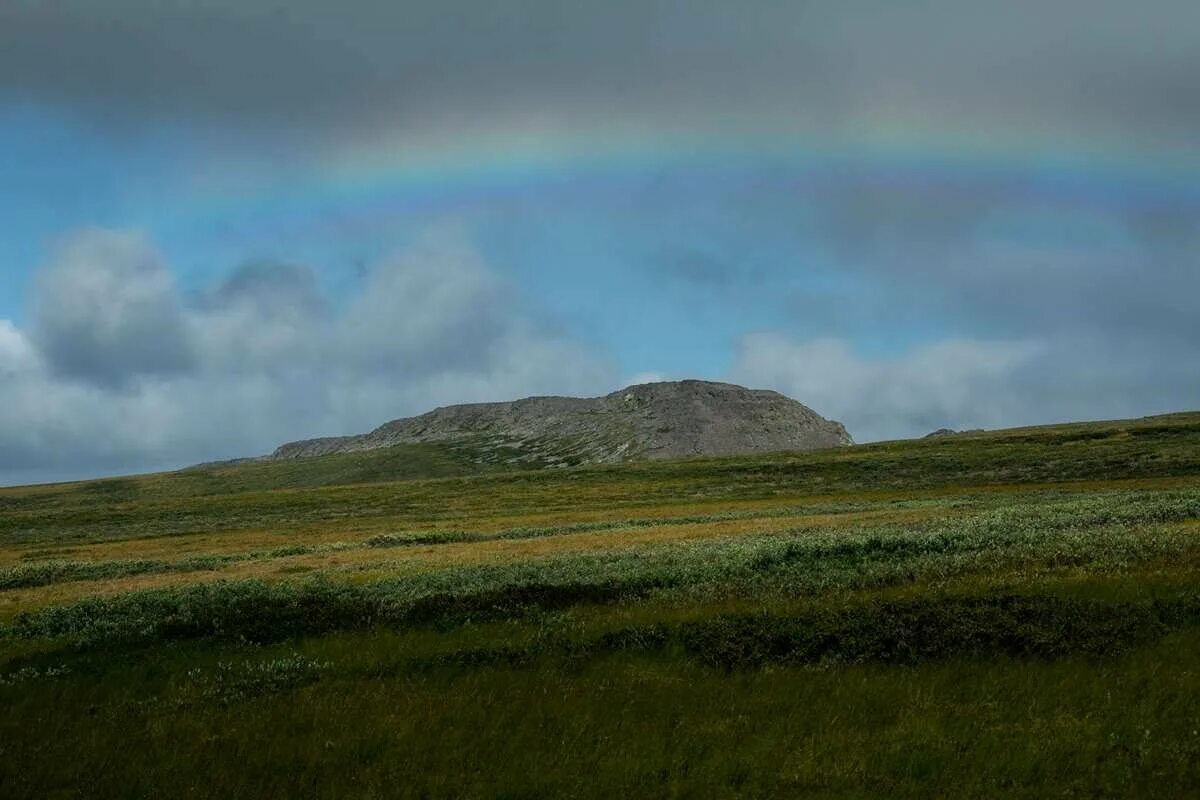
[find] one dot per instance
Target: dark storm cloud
(1073, 67)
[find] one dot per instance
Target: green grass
(352, 716)
(1013, 614)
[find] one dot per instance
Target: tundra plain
(1013, 613)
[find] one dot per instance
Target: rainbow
(362, 185)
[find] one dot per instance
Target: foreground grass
(1014, 614)
(363, 715)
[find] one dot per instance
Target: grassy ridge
(1010, 614)
(190, 501)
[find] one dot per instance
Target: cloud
(447, 315)
(1023, 254)
(17, 355)
(1075, 67)
(272, 288)
(1016, 290)
(270, 358)
(263, 318)
(106, 310)
(1003, 300)
(959, 383)
(971, 383)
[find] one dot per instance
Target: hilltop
(647, 421)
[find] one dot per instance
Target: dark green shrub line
(639, 639)
(937, 628)
(257, 611)
(908, 632)
(420, 538)
(43, 573)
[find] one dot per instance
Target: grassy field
(1005, 614)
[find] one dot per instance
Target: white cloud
(263, 318)
(17, 355)
(436, 302)
(267, 358)
(959, 383)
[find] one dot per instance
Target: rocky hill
(942, 432)
(648, 421)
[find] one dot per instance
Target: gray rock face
(648, 421)
(940, 432)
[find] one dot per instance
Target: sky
(225, 224)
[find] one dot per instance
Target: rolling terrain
(1013, 613)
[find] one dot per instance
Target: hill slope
(974, 612)
(648, 421)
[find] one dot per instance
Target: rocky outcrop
(940, 432)
(648, 421)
